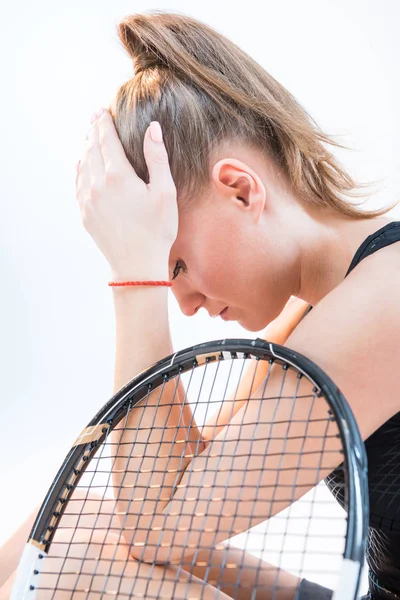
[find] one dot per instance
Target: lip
(223, 313)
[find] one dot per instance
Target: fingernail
(100, 112)
(93, 118)
(155, 131)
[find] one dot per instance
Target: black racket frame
(165, 369)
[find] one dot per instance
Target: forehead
(194, 229)
(191, 221)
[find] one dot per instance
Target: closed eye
(180, 265)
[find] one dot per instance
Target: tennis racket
(141, 508)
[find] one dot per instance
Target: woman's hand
(132, 223)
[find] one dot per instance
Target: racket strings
(141, 462)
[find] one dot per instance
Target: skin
(251, 223)
(253, 230)
(277, 331)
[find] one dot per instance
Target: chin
(248, 327)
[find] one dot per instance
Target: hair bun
(144, 61)
(136, 33)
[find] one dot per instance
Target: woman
(261, 203)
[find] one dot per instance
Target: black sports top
(383, 452)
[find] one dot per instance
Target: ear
(239, 183)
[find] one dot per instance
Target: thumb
(157, 160)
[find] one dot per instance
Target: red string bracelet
(123, 283)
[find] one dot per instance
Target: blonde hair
(203, 89)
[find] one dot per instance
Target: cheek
(218, 261)
(218, 275)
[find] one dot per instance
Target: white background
(62, 61)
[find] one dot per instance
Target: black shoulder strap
(381, 238)
(385, 236)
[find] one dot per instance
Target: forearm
(156, 437)
(276, 332)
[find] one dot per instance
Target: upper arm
(353, 335)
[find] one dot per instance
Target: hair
(203, 90)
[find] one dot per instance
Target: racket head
(71, 515)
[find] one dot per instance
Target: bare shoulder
(353, 334)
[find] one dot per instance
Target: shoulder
(353, 334)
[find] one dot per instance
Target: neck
(327, 247)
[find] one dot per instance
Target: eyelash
(178, 266)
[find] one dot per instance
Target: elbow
(148, 555)
(150, 541)
(161, 546)
(161, 555)
(155, 554)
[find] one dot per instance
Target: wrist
(140, 284)
(155, 274)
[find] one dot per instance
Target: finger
(157, 162)
(95, 157)
(110, 145)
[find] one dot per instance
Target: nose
(188, 312)
(189, 302)
(188, 309)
